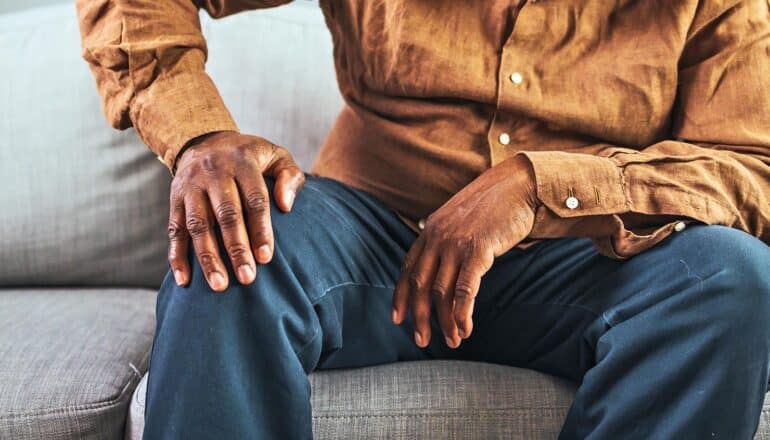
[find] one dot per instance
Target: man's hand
(218, 179)
(458, 245)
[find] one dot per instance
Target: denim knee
(734, 273)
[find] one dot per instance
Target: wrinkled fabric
(647, 113)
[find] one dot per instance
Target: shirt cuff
(177, 109)
(577, 185)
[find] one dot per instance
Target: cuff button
(679, 226)
(572, 202)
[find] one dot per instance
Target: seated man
(579, 188)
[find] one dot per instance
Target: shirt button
(679, 226)
(421, 224)
(504, 138)
(572, 202)
(516, 78)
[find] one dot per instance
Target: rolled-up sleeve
(714, 170)
(148, 58)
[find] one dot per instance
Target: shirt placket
(503, 137)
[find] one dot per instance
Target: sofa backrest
(82, 204)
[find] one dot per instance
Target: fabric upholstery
(284, 88)
(88, 204)
(70, 360)
(426, 400)
(439, 400)
(82, 203)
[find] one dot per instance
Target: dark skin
(220, 180)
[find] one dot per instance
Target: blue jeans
(671, 344)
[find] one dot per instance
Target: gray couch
(82, 247)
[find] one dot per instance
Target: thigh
(337, 236)
(337, 257)
(545, 307)
(346, 249)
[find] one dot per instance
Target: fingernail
(245, 274)
(461, 332)
(418, 339)
(394, 316)
(288, 198)
(217, 281)
(449, 342)
(263, 254)
(179, 277)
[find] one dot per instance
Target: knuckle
(463, 291)
(175, 231)
(256, 202)
(439, 290)
(464, 244)
(208, 261)
(237, 251)
(209, 163)
(197, 225)
(416, 282)
(227, 214)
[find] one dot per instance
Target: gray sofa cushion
(88, 204)
(275, 70)
(82, 204)
(70, 360)
(432, 400)
(426, 400)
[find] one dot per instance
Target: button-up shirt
(638, 117)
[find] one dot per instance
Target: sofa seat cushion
(426, 400)
(70, 360)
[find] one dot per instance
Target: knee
(734, 277)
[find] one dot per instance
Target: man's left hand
(456, 248)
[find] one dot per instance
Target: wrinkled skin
(460, 241)
(219, 180)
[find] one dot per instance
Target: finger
(226, 202)
(178, 242)
(466, 289)
(420, 282)
(288, 181)
(401, 293)
(443, 298)
(200, 225)
(256, 201)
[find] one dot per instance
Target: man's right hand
(219, 180)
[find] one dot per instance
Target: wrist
(523, 170)
(198, 140)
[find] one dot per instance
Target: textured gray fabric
(14, 5)
(82, 204)
(432, 400)
(275, 70)
(70, 359)
(89, 204)
(438, 400)
(426, 400)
